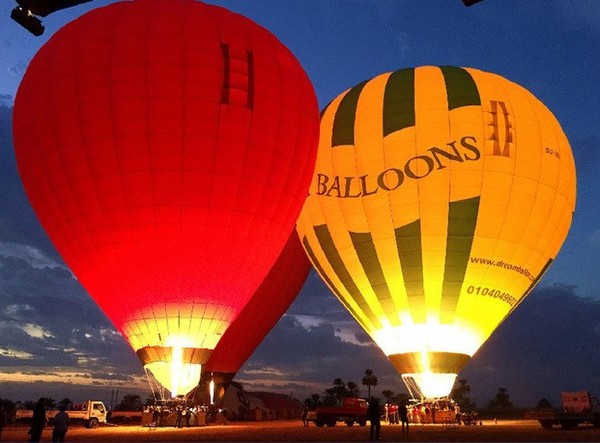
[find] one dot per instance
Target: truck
(353, 410)
(576, 408)
(91, 413)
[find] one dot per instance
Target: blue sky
(550, 343)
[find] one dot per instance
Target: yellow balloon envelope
(440, 197)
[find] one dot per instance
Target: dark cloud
(317, 300)
(5, 100)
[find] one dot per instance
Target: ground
(293, 431)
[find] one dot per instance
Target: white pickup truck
(92, 414)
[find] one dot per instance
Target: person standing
(61, 425)
(374, 414)
(38, 421)
(403, 416)
(305, 416)
(2, 418)
(179, 421)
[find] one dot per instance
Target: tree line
(499, 406)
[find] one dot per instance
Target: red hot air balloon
(167, 147)
(270, 301)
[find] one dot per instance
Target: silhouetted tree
(369, 379)
(9, 408)
(313, 401)
(544, 403)
(352, 389)
(28, 404)
(130, 402)
(49, 403)
(501, 400)
(66, 402)
(460, 394)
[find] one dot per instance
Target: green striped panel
(338, 266)
(399, 101)
(345, 116)
(462, 219)
(322, 273)
(367, 254)
(460, 88)
(408, 240)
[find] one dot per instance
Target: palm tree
(353, 390)
(315, 399)
(339, 389)
(369, 379)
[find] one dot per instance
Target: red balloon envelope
(167, 147)
(270, 301)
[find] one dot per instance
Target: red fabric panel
(270, 301)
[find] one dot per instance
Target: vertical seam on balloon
(399, 100)
(183, 133)
(86, 160)
(345, 113)
(534, 103)
(148, 134)
(509, 109)
(250, 94)
(226, 73)
(461, 90)
(418, 191)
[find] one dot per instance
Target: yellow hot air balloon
(440, 197)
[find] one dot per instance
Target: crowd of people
(178, 415)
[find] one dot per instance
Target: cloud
(32, 255)
(6, 100)
(18, 69)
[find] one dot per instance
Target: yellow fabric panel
(432, 129)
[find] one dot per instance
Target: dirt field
(288, 431)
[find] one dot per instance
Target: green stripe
(460, 88)
(338, 266)
(408, 241)
(322, 273)
(345, 116)
(367, 254)
(462, 219)
(399, 101)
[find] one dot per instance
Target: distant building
(256, 406)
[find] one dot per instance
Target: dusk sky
(55, 342)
